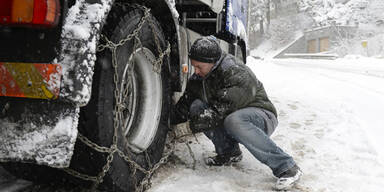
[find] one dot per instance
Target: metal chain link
(146, 182)
(93, 145)
(111, 45)
(80, 175)
(119, 107)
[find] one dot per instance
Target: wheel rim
(142, 102)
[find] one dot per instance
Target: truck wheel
(146, 104)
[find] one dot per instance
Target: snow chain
(157, 65)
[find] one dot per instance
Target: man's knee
(232, 121)
(241, 119)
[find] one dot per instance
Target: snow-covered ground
(330, 115)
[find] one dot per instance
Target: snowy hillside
(343, 12)
(329, 115)
(366, 15)
(325, 12)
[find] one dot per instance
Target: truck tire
(146, 115)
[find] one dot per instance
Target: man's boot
(224, 159)
(289, 178)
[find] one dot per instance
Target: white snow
(47, 145)
(54, 80)
(61, 127)
(268, 49)
(81, 30)
(326, 12)
(81, 25)
(330, 121)
(230, 19)
(172, 6)
(235, 24)
(241, 31)
(207, 113)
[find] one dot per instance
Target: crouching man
(226, 101)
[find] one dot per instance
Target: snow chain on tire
(157, 65)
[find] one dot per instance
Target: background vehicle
(86, 85)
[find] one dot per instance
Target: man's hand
(206, 120)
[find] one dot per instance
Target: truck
(86, 86)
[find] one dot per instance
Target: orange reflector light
(30, 80)
(40, 13)
(185, 68)
(22, 11)
(51, 11)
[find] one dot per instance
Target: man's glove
(206, 120)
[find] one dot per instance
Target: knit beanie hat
(205, 49)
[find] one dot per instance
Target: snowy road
(358, 82)
(330, 121)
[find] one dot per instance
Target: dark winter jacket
(229, 86)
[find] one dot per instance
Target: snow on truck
(86, 85)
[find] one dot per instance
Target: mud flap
(37, 131)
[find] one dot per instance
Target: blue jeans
(251, 127)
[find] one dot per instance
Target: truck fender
(80, 34)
